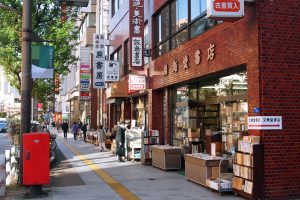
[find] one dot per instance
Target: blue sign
(256, 110)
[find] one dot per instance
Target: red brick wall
(155, 103)
(279, 39)
(94, 101)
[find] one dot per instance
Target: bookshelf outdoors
(248, 168)
(150, 138)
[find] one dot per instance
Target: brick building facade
(265, 44)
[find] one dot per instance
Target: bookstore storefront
(214, 110)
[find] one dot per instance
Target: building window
(126, 57)
(115, 6)
(117, 56)
(146, 42)
(179, 21)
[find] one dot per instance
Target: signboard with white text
(136, 33)
(136, 82)
(265, 122)
(225, 9)
(85, 74)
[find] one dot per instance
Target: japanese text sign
(225, 8)
(136, 32)
(99, 61)
(265, 122)
(137, 82)
(111, 71)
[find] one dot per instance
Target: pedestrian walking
(101, 138)
(84, 130)
(79, 126)
(75, 130)
(120, 140)
(65, 128)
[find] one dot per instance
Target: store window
(215, 106)
(179, 21)
(146, 42)
(116, 6)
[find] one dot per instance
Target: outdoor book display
(150, 138)
(248, 168)
(166, 157)
(203, 168)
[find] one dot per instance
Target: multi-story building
(213, 76)
(9, 97)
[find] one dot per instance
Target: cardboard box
(166, 157)
(193, 134)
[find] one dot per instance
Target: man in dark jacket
(65, 128)
(120, 140)
(84, 130)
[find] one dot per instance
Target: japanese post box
(36, 161)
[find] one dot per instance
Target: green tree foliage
(47, 24)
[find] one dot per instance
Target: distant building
(9, 97)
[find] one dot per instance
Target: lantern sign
(225, 9)
(136, 33)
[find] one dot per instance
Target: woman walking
(101, 138)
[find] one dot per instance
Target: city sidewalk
(85, 173)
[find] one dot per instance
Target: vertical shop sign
(99, 61)
(223, 9)
(85, 74)
(111, 71)
(136, 33)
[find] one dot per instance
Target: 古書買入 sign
(265, 122)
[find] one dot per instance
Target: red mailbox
(36, 161)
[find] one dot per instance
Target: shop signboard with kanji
(111, 71)
(136, 82)
(136, 33)
(225, 9)
(85, 74)
(99, 61)
(265, 122)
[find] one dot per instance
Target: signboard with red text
(136, 82)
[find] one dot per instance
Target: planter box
(166, 157)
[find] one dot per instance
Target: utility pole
(26, 81)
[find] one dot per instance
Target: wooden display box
(166, 158)
(200, 170)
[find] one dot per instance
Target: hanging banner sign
(265, 122)
(112, 71)
(85, 74)
(136, 82)
(225, 9)
(42, 58)
(136, 33)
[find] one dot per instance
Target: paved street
(82, 172)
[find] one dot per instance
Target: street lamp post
(26, 81)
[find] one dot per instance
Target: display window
(208, 112)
